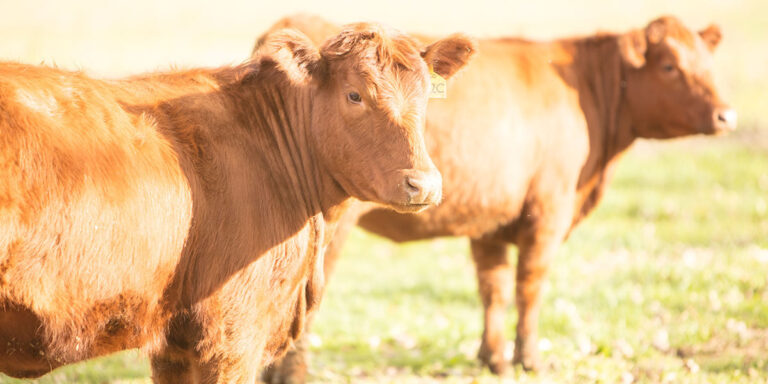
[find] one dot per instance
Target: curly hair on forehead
(669, 26)
(390, 46)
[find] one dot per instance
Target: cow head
(669, 85)
(370, 91)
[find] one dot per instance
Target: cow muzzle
(724, 120)
(417, 190)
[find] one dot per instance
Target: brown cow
(526, 143)
(187, 213)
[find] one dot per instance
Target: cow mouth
(719, 130)
(715, 131)
(410, 208)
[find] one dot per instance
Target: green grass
(678, 250)
(124, 368)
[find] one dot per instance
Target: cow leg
(233, 368)
(171, 367)
(293, 367)
(537, 243)
(180, 361)
(176, 362)
(494, 280)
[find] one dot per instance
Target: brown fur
(187, 213)
(527, 142)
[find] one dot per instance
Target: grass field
(665, 282)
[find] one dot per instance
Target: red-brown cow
(526, 143)
(187, 213)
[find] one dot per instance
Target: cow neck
(282, 110)
(598, 63)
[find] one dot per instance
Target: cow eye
(668, 68)
(354, 98)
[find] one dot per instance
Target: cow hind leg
(494, 280)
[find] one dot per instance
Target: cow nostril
(412, 185)
(726, 118)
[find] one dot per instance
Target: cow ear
(632, 47)
(450, 54)
(657, 30)
(711, 36)
(292, 51)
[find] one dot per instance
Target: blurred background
(114, 38)
(666, 282)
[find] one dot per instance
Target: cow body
(187, 213)
(526, 143)
(521, 166)
(100, 249)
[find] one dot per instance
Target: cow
(527, 142)
(187, 213)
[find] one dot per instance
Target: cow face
(369, 113)
(669, 85)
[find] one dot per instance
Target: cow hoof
(530, 365)
(493, 360)
(529, 361)
(527, 353)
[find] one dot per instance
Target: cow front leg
(221, 356)
(532, 268)
(494, 281)
(292, 368)
(173, 367)
(537, 245)
(230, 368)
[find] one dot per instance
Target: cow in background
(527, 142)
